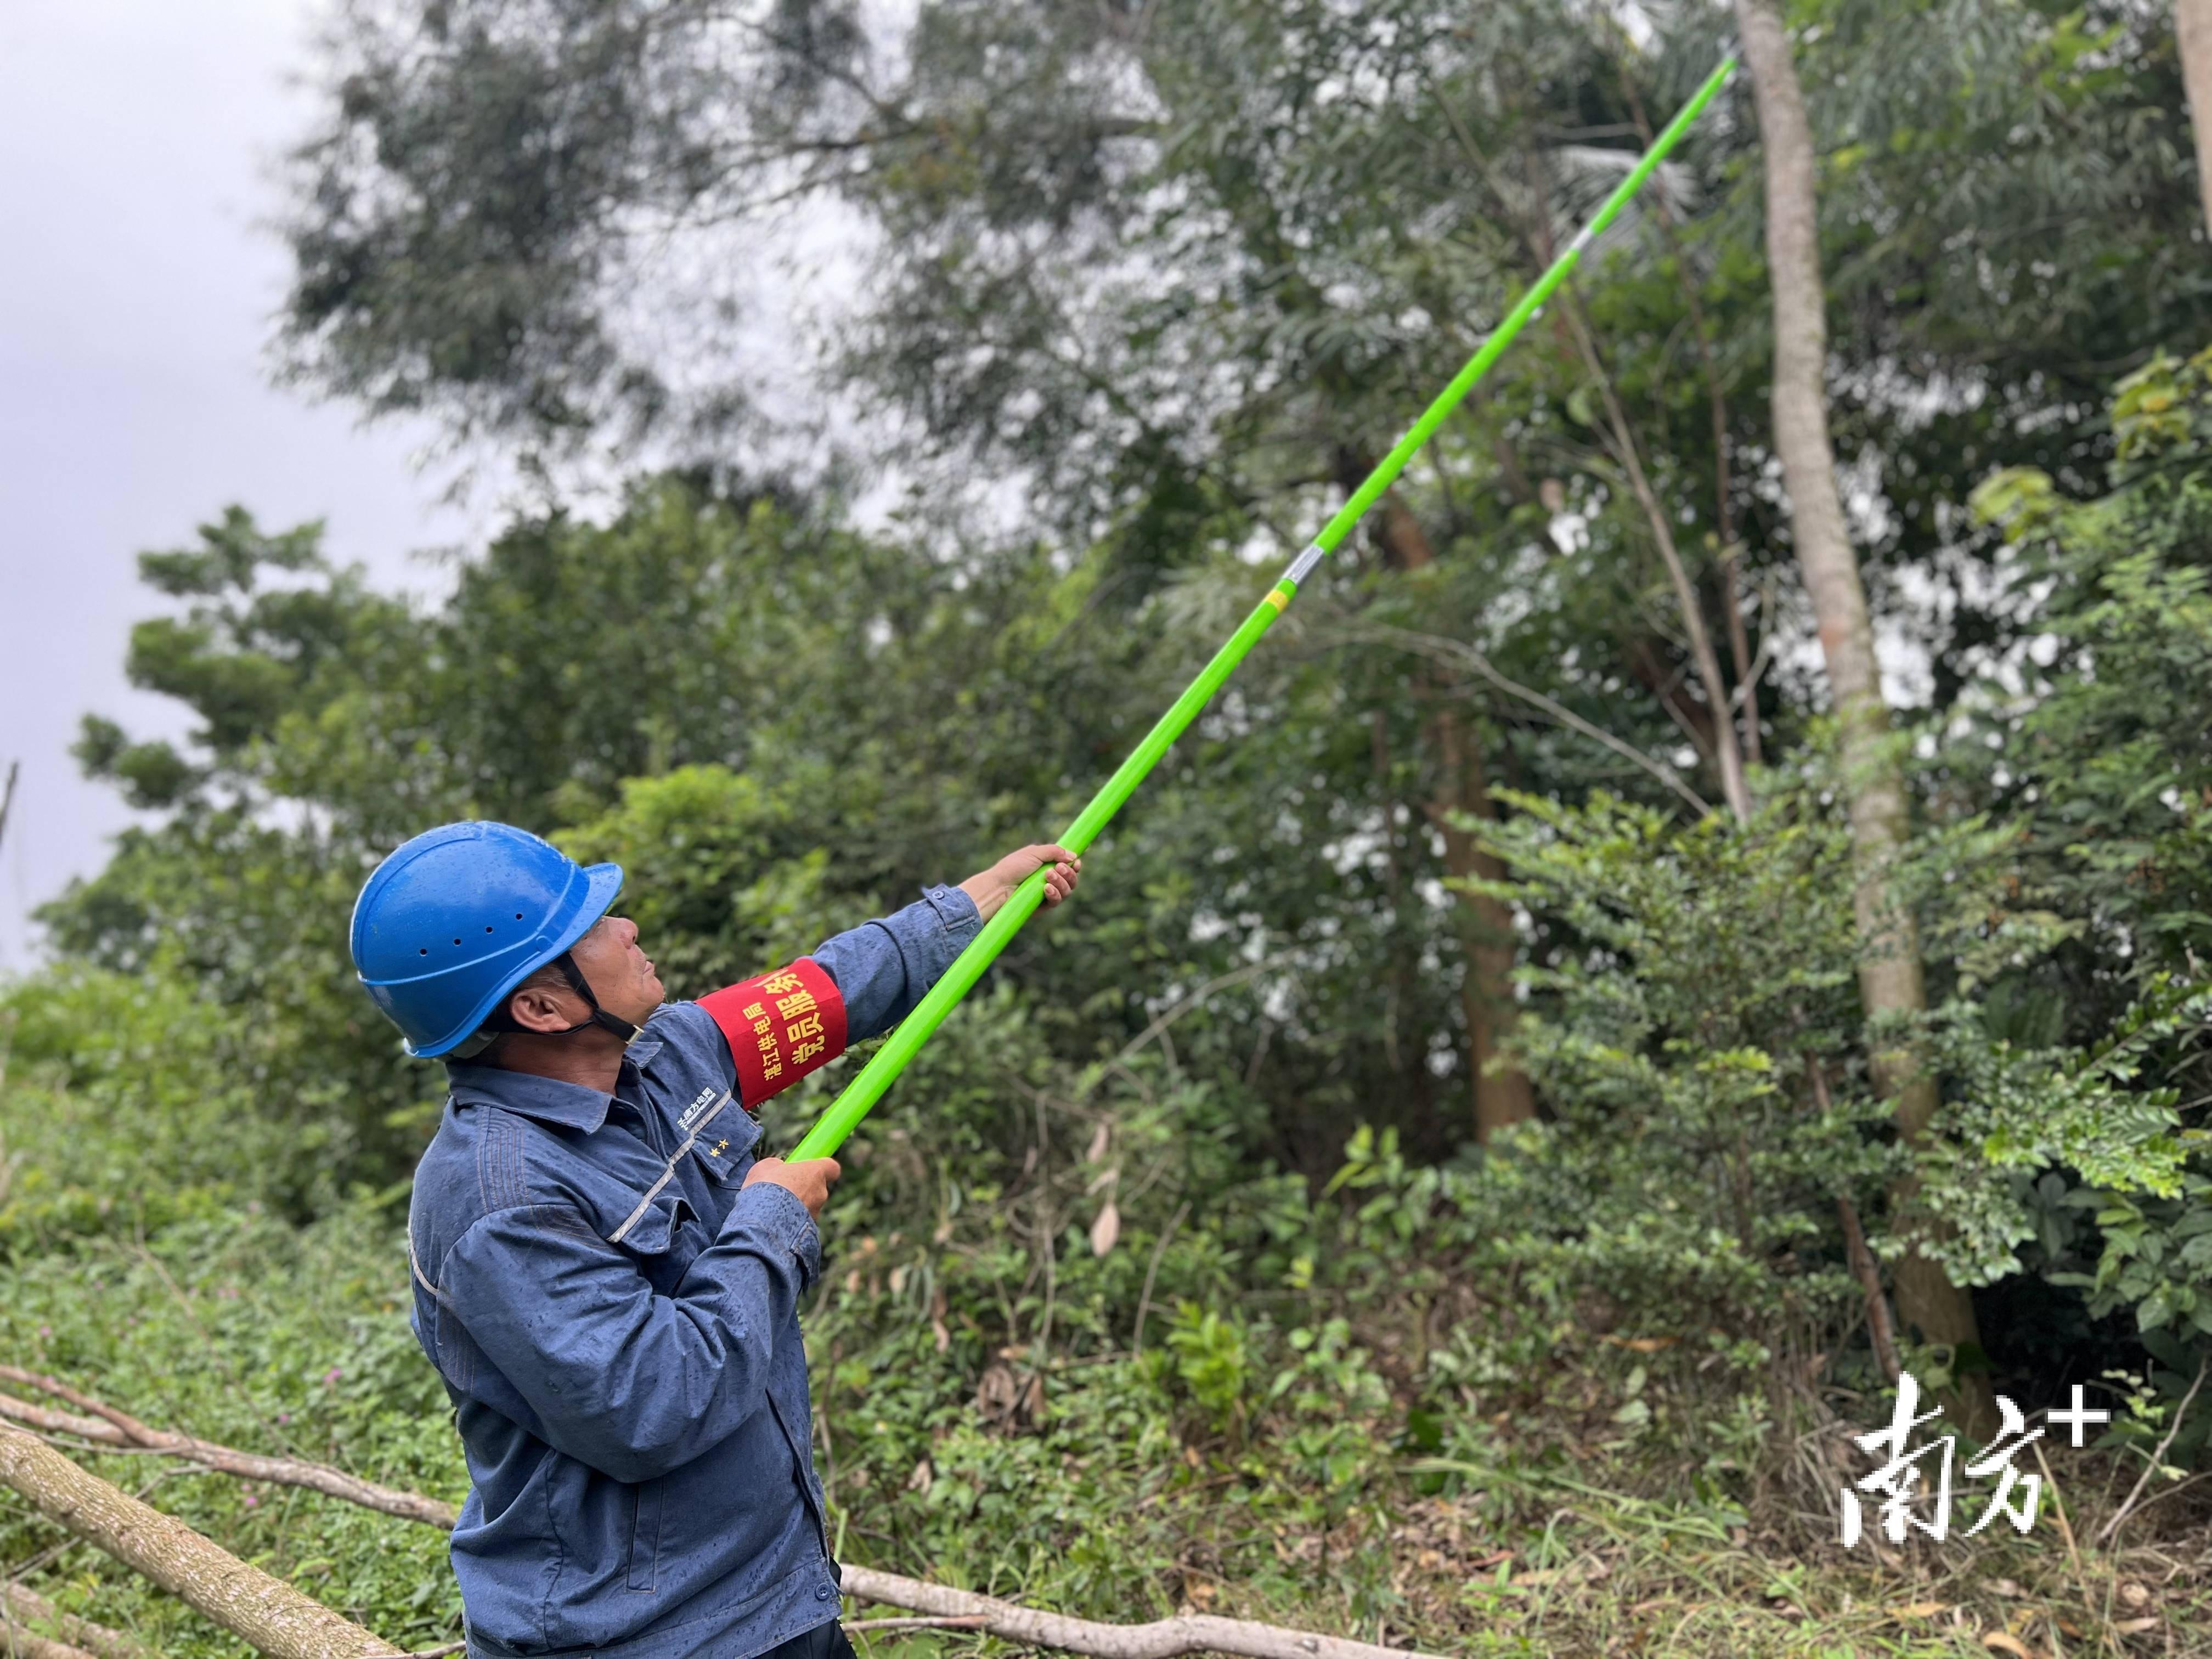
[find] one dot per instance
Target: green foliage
(732, 871)
(138, 1101)
(1171, 1271)
(226, 1322)
(2107, 730)
(1209, 1360)
(2157, 1260)
(1706, 1074)
(2015, 1113)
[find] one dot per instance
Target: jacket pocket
(458, 1352)
(651, 1238)
(795, 1415)
(645, 1536)
(723, 1151)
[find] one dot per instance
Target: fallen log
(21, 1605)
(266, 1612)
(110, 1427)
(1163, 1638)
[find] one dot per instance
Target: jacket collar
(544, 1098)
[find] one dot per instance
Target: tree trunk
(267, 1613)
(2192, 29)
(1487, 939)
(1889, 972)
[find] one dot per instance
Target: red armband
(780, 1026)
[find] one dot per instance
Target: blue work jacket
(617, 1322)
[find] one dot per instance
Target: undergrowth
(1339, 1414)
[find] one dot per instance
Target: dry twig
(110, 1427)
(1162, 1638)
(1443, 648)
(2157, 1459)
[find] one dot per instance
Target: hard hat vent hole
(457, 941)
(518, 916)
(426, 949)
(486, 927)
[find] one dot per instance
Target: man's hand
(991, 888)
(809, 1181)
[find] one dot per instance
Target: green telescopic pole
(846, 1112)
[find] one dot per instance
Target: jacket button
(824, 1593)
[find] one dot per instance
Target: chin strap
(504, 1021)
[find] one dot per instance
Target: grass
(249, 1331)
(1283, 1475)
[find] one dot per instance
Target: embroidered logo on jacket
(707, 1096)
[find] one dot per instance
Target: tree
(1174, 273)
(1890, 975)
(2192, 31)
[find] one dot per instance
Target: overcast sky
(137, 138)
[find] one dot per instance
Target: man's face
(620, 975)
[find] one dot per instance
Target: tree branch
(19, 1603)
(1444, 649)
(1162, 1638)
(111, 1427)
(1879, 1330)
(266, 1612)
(1625, 450)
(1731, 549)
(1727, 754)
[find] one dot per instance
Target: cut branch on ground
(20, 1606)
(18, 1643)
(109, 1427)
(1161, 1640)
(278, 1621)
(266, 1613)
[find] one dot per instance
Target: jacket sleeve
(629, 1381)
(884, 968)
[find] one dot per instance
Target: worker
(606, 1272)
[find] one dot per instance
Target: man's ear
(539, 1008)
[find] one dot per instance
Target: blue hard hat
(453, 920)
